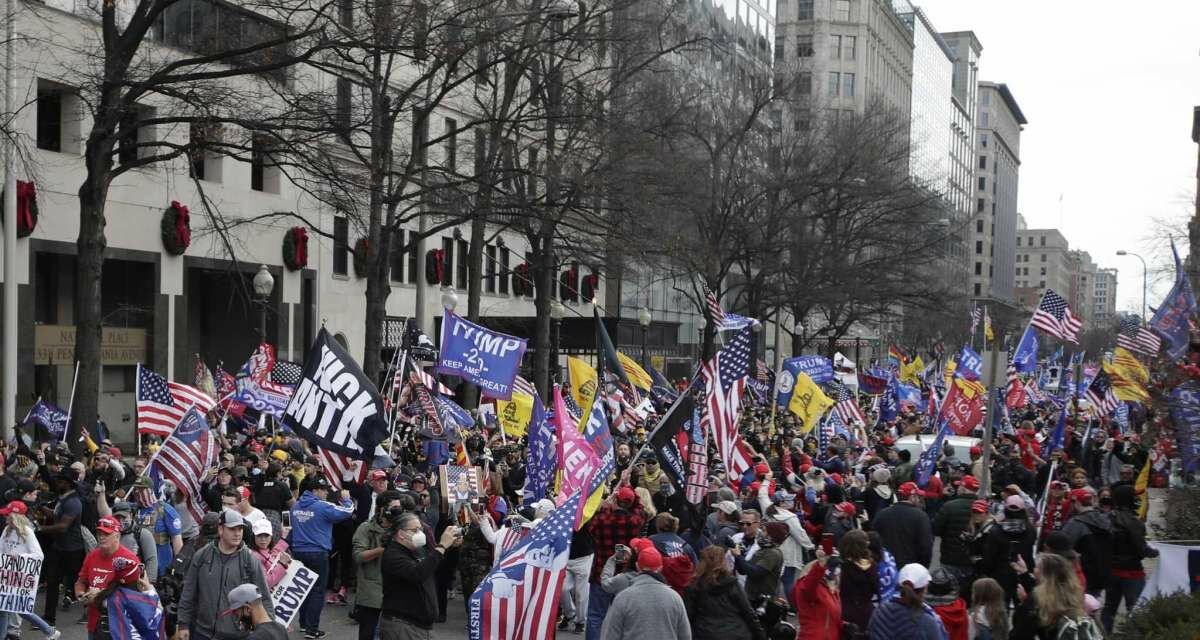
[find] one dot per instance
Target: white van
(916, 445)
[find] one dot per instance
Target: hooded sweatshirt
(206, 587)
(313, 520)
(955, 618)
(1091, 535)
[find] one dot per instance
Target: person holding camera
(409, 605)
(370, 541)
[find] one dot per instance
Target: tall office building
(1104, 297)
(965, 50)
(1043, 260)
(994, 227)
(1083, 282)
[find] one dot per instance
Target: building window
(1042, 284)
(346, 12)
(211, 27)
(983, 119)
(804, 83)
(804, 46)
(397, 256)
(835, 47)
(849, 46)
(464, 254)
(1018, 241)
(979, 206)
(341, 112)
(1043, 257)
(49, 117)
(341, 245)
(804, 9)
(978, 268)
(834, 80)
(264, 176)
(979, 247)
(982, 162)
(978, 288)
(489, 269)
(199, 135)
(780, 43)
(412, 257)
(848, 85)
(982, 183)
(841, 10)
(983, 139)
(420, 135)
(131, 134)
(448, 261)
(504, 257)
(451, 151)
(1042, 240)
(979, 225)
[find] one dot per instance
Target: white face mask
(418, 539)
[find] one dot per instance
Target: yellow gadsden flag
(514, 415)
(583, 383)
(809, 403)
(911, 372)
(1129, 376)
(637, 375)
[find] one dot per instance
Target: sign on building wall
(55, 344)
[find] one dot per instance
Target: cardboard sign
(289, 594)
(19, 582)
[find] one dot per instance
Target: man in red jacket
(942, 595)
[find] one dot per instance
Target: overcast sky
(1108, 89)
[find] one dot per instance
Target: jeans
(578, 571)
(1128, 588)
(368, 621)
(397, 629)
(62, 567)
(788, 579)
(310, 610)
(34, 619)
(599, 601)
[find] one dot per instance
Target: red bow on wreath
(26, 195)
(183, 229)
(300, 235)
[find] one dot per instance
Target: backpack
(1082, 629)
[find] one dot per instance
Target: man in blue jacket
(313, 517)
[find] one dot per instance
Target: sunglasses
(745, 524)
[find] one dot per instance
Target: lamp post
(644, 320)
(449, 298)
(700, 341)
(1123, 252)
(798, 329)
(556, 316)
(264, 284)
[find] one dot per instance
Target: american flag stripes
(976, 316)
(426, 379)
(725, 381)
(335, 466)
(162, 404)
(187, 452)
(716, 314)
(519, 597)
(1101, 395)
(1135, 337)
(1053, 315)
(521, 385)
(847, 408)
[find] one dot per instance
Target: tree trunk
(543, 275)
(89, 269)
(470, 395)
(379, 234)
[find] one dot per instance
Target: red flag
(962, 413)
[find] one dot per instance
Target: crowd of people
(808, 543)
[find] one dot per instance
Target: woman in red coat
(816, 600)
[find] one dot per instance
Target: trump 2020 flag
(519, 597)
(1025, 356)
(335, 406)
(1171, 318)
(50, 417)
(542, 462)
(479, 355)
(134, 615)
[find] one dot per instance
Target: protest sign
(19, 582)
(289, 593)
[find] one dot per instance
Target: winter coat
(955, 619)
(274, 562)
(877, 499)
(1002, 540)
(210, 577)
(1129, 542)
(818, 609)
(906, 532)
(894, 620)
(950, 522)
(313, 520)
(647, 608)
(720, 611)
(859, 589)
(1091, 535)
(369, 591)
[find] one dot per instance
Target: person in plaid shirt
(616, 522)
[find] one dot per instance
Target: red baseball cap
(244, 492)
(16, 506)
(378, 474)
(976, 452)
(979, 506)
(846, 508)
(909, 489)
(108, 524)
(762, 469)
(648, 557)
(836, 477)
(970, 483)
(888, 441)
(625, 494)
(1084, 496)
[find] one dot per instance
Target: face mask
(418, 539)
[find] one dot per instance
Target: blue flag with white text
(1025, 355)
(483, 357)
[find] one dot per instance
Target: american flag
(716, 314)
(1135, 337)
(426, 379)
(335, 466)
(1014, 397)
(226, 389)
(1054, 316)
(697, 460)
(847, 408)
(519, 597)
(1101, 395)
(521, 385)
(187, 452)
(162, 404)
(725, 381)
(204, 378)
(287, 372)
(976, 316)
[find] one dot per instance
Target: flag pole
(391, 404)
(71, 402)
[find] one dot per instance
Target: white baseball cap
(915, 575)
(262, 526)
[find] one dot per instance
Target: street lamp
(556, 315)
(644, 320)
(798, 330)
(449, 298)
(1122, 252)
(264, 284)
(703, 322)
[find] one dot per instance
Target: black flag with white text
(335, 406)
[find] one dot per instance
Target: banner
(335, 406)
(664, 442)
(808, 402)
(819, 368)
(479, 355)
(845, 370)
(1025, 356)
(50, 417)
(1171, 319)
(1178, 570)
(1185, 413)
(289, 593)
(19, 582)
(582, 377)
(541, 462)
(576, 458)
(962, 413)
(514, 415)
